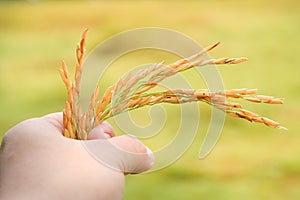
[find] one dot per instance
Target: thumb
(123, 153)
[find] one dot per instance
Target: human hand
(37, 162)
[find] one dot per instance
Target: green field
(250, 161)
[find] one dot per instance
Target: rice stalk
(132, 92)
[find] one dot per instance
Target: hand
(38, 162)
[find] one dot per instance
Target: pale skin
(38, 162)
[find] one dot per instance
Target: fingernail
(106, 136)
(151, 156)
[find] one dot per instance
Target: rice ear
(133, 92)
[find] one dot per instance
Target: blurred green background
(250, 161)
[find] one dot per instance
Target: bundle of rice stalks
(132, 92)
